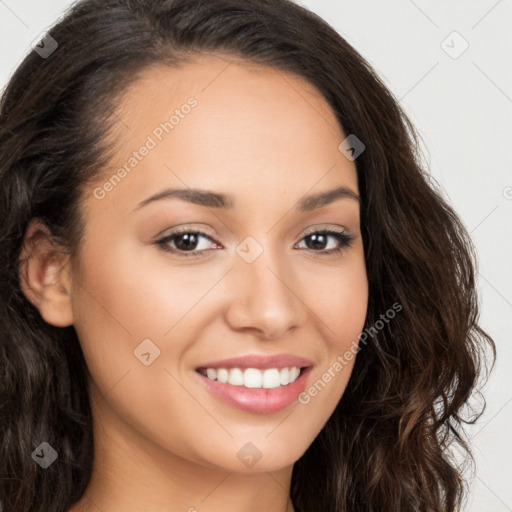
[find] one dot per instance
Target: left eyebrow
(312, 202)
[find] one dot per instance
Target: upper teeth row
(253, 377)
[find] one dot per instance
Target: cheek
(347, 323)
(130, 292)
(121, 301)
(124, 296)
(339, 299)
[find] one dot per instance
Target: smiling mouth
(253, 378)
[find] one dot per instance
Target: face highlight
(235, 234)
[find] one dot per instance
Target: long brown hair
(385, 447)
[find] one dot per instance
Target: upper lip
(260, 361)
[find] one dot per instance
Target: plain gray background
(460, 100)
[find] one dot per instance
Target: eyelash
(345, 240)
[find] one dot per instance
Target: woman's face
(248, 151)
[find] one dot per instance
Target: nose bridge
(262, 290)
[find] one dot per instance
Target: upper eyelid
(178, 232)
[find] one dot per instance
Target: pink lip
(260, 401)
(259, 361)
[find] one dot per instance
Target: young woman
(227, 282)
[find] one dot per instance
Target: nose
(265, 297)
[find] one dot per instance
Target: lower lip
(259, 400)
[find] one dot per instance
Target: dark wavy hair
(387, 445)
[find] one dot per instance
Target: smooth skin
(266, 138)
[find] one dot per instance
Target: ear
(45, 275)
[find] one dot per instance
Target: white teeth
(284, 376)
(271, 379)
(222, 375)
(236, 377)
(294, 373)
(253, 377)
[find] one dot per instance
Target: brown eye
(191, 242)
(186, 241)
(319, 241)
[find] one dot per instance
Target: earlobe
(45, 276)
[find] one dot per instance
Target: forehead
(224, 123)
